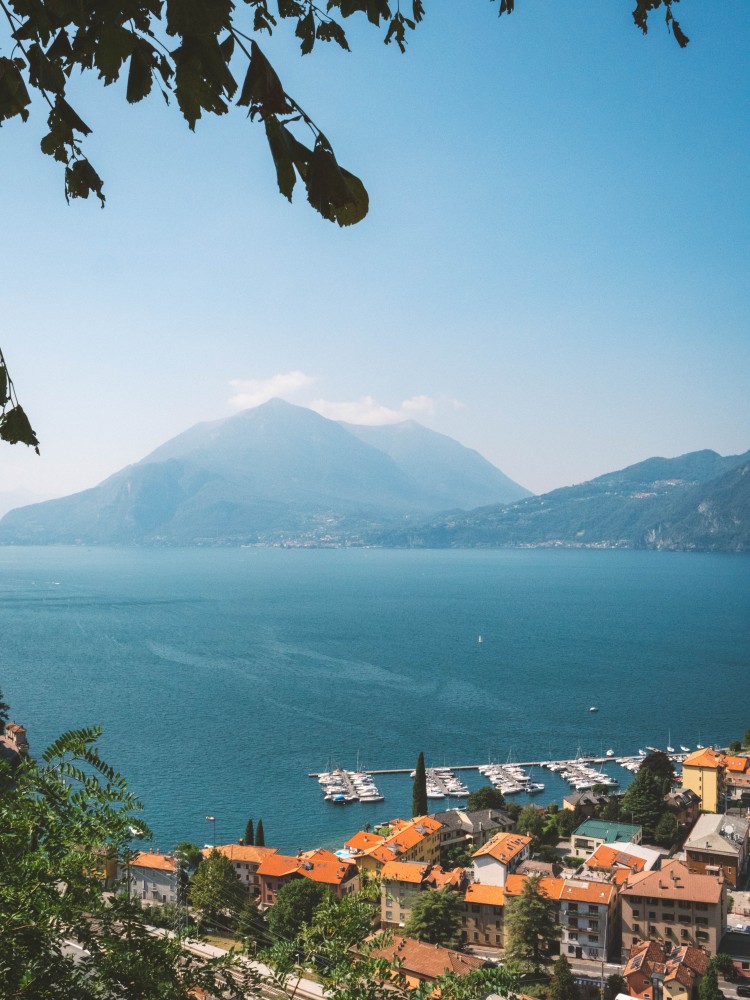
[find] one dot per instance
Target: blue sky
(553, 271)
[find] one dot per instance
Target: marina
(582, 773)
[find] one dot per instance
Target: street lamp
(212, 819)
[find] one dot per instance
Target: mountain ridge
(273, 474)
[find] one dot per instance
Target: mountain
(454, 475)
(277, 473)
(699, 501)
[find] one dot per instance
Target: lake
(222, 677)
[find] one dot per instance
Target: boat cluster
(580, 775)
(442, 783)
(342, 787)
(511, 779)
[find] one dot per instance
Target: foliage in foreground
(60, 819)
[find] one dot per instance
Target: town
(643, 893)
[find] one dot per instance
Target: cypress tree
(419, 792)
(249, 834)
(260, 837)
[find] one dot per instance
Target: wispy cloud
(254, 391)
(367, 410)
(249, 392)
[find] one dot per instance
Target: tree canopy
(61, 819)
(215, 889)
(294, 907)
(435, 918)
(486, 797)
(643, 802)
(419, 789)
(530, 921)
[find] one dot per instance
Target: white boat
(641, 753)
(610, 753)
(480, 640)
(593, 709)
(533, 787)
(669, 740)
(684, 749)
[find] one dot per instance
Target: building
(684, 804)
(467, 829)
(276, 870)
(483, 917)
(500, 857)
(586, 802)
(703, 772)
(402, 882)
(152, 877)
(592, 833)
(737, 781)
(673, 907)
(719, 844)
(619, 861)
(399, 840)
(652, 974)
(15, 737)
(588, 918)
(422, 963)
(246, 859)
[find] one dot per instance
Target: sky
(554, 270)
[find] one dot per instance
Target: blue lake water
(222, 677)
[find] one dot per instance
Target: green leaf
(306, 31)
(3, 385)
(680, 36)
(16, 429)
(140, 74)
(283, 159)
(262, 91)
(290, 8)
(14, 97)
(338, 195)
(43, 72)
(81, 180)
(331, 31)
(116, 44)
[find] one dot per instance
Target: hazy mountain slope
(660, 503)
(457, 476)
(272, 474)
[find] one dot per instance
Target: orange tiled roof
(620, 876)
(736, 764)
(363, 841)
(585, 891)
(707, 757)
(549, 887)
(441, 879)
(278, 864)
(503, 847)
(324, 866)
(609, 857)
(430, 824)
(152, 859)
(427, 960)
(242, 852)
(489, 895)
(674, 881)
(404, 871)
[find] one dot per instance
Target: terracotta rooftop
(587, 891)
(242, 852)
(503, 847)
(404, 871)
(737, 764)
(549, 887)
(152, 859)
(278, 864)
(708, 757)
(606, 856)
(488, 895)
(325, 866)
(363, 841)
(427, 961)
(674, 881)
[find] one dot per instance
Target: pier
(677, 758)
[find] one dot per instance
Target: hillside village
(619, 902)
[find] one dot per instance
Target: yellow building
(704, 772)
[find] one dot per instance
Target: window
(389, 915)
(574, 935)
(636, 913)
(497, 939)
(594, 909)
(474, 908)
(571, 949)
(476, 936)
(652, 914)
(702, 935)
(637, 928)
(668, 917)
(701, 906)
(573, 907)
(685, 933)
(497, 925)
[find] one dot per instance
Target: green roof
(610, 833)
